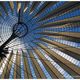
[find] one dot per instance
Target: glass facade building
(45, 42)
